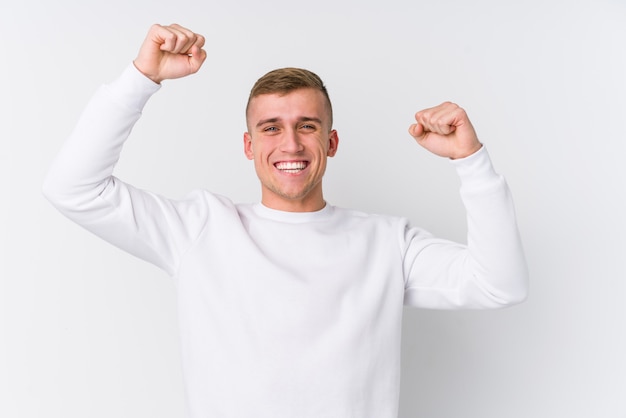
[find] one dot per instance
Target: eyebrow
(300, 119)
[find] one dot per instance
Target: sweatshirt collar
(292, 217)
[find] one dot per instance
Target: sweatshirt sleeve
(490, 271)
(80, 183)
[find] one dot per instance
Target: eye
(270, 129)
(308, 127)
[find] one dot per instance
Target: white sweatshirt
(287, 315)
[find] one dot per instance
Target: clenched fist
(170, 52)
(445, 130)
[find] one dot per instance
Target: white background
(88, 331)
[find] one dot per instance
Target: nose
(290, 142)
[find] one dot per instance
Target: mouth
(291, 167)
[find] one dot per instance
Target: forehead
(293, 105)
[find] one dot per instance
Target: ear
(247, 146)
(333, 143)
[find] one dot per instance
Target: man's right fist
(170, 52)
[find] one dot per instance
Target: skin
(290, 129)
(170, 52)
(446, 131)
(294, 128)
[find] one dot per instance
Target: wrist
(147, 74)
(470, 151)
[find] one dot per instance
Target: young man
(290, 307)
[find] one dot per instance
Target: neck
(307, 204)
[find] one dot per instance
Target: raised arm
(80, 182)
(490, 270)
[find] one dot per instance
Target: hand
(445, 130)
(170, 52)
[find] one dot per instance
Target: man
(290, 307)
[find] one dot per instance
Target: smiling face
(289, 138)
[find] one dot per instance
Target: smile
(291, 167)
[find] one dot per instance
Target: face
(289, 138)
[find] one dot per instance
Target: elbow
(64, 195)
(517, 292)
(507, 284)
(501, 290)
(516, 298)
(56, 192)
(69, 191)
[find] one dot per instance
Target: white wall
(88, 331)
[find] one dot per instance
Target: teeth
(291, 166)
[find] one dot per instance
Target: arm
(80, 181)
(490, 271)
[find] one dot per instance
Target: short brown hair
(285, 80)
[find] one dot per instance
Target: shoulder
(201, 203)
